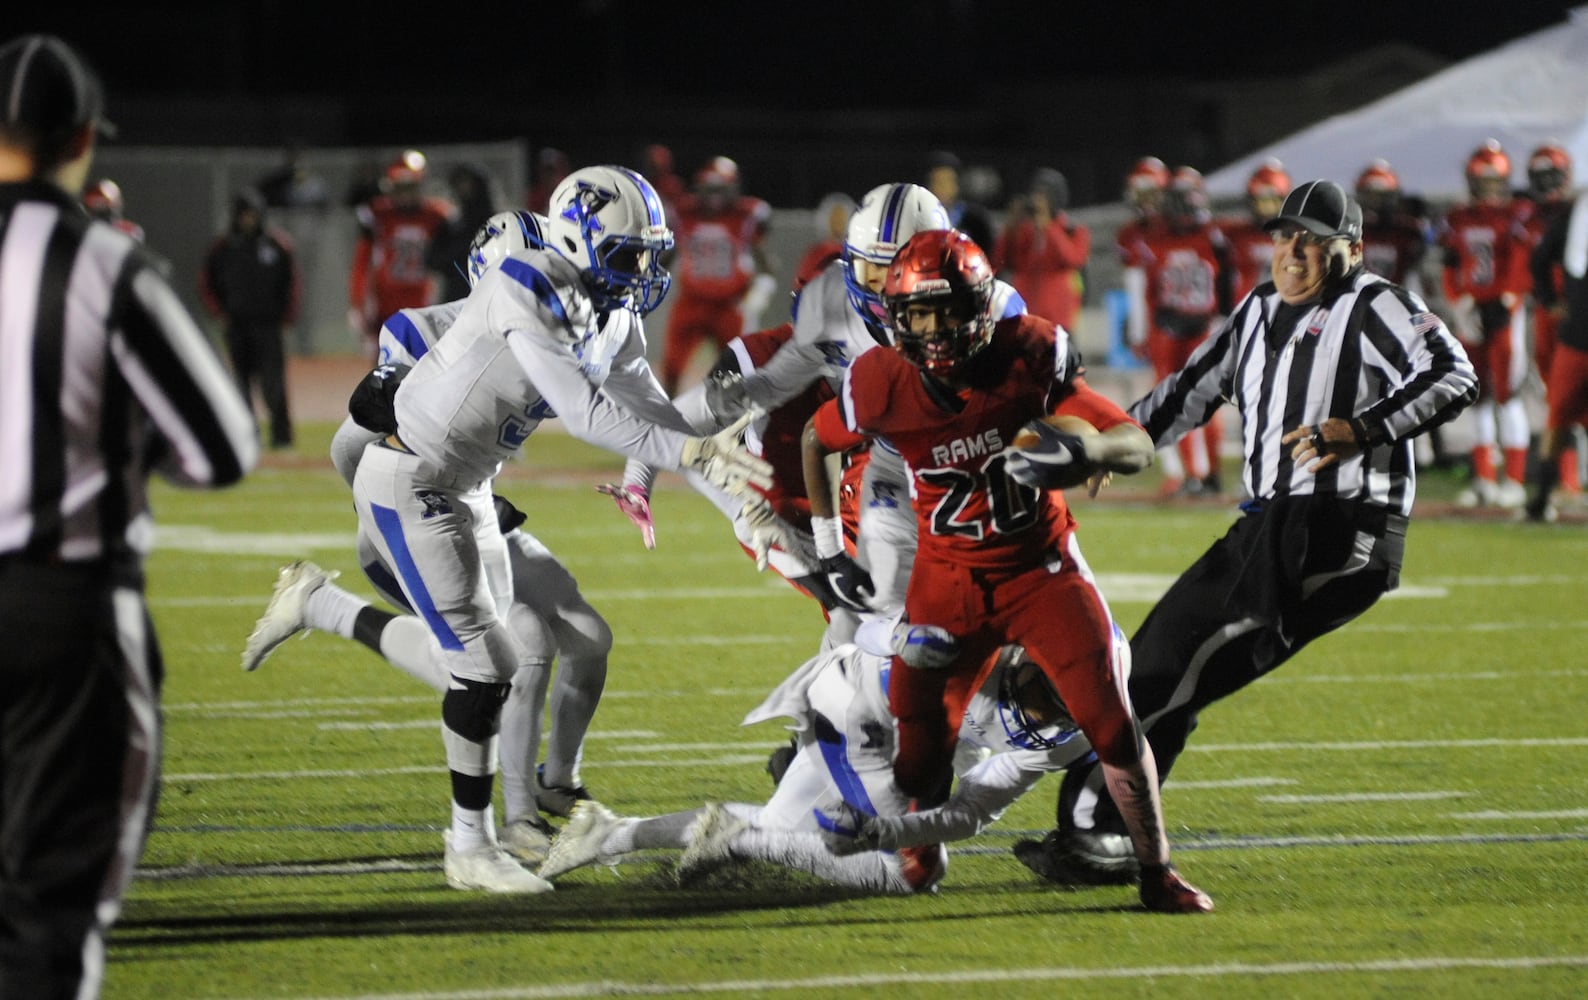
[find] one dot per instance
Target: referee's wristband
(1359, 431)
(828, 533)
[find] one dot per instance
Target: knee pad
(473, 709)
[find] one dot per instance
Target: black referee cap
(1321, 208)
(47, 86)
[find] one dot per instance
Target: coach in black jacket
(1334, 370)
(103, 377)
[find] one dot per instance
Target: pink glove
(635, 504)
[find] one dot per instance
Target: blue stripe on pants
(391, 529)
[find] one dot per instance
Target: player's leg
(683, 336)
(886, 541)
(1568, 408)
(452, 564)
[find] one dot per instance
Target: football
(1027, 438)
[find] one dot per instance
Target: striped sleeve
(177, 379)
(1434, 379)
(1188, 398)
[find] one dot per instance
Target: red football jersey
(1394, 247)
(968, 510)
(778, 441)
(1251, 254)
(1540, 215)
(1486, 248)
(713, 260)
(389, 258)
(1182, 268)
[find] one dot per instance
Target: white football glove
(764, 530)
(722, 461)
(925, 647)
(725, 396)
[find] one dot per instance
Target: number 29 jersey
(968, 510)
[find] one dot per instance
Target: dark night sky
(817, 53)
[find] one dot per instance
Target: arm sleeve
(1551, 250)
(980, 798)
(794, 367)
(1090, 405)
(179, 382)
(1436, 379)
(589, 414)
(833, 430)
(1189, 397)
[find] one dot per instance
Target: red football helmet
(409, 168)
(1187, 198)
(944, 271)
(1549, 172)
(1378, 188)
(1489, 172)
(1266, 189)
(721, 173)
(1146, 183)
(103, 200)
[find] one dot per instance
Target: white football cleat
(490, 868)
(710, 843)
(283, 617)
(528, 840)
(1510, 495)
(580, 841)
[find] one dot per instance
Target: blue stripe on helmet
(653, 201)
(532, 279)
(891, 213)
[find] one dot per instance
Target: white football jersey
(527, 346)
(410, 333)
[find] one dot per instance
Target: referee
(1334, 370)
(103, 377)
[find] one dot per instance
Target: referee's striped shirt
(103, 376)
(1367, 349)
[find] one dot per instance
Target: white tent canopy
(1530, 91)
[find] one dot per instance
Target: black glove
(373, 405)
(1056, 462)
(508, 517)
(850, 584)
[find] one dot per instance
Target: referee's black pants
(1289, 571)
(79, 759)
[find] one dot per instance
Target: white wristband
(829, 536)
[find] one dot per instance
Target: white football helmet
(888, 216)
(609, 222)
(502, 234)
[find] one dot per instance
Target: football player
(546, 332)
(1251, 248)
(1485, 247)
(1550, 199)
(1177, 281)
(395, 229)
(549, 615)
(724, 277)
(837, 813)
(997, 562)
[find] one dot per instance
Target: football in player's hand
(1050, 453)
(1028, 437)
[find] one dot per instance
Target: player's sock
(472, 827)
(1515, 464)
(657, 831)
(329, 608)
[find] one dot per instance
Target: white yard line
(828, 985)
(1364, 797)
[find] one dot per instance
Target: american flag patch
(1319, 318)
(1424, 321)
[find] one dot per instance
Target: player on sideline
(547, 332)
(549, 615)
(837, 813)
(998, 562)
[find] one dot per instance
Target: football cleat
(490, 868)
(580, 841)
(710, 843)
(557, 800)
(1163, 890)
(283, 617)
(777, 764)
(1080, 857)
(527, 839)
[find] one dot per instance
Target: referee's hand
(1323, 444)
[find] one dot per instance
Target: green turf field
(1399, 811)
